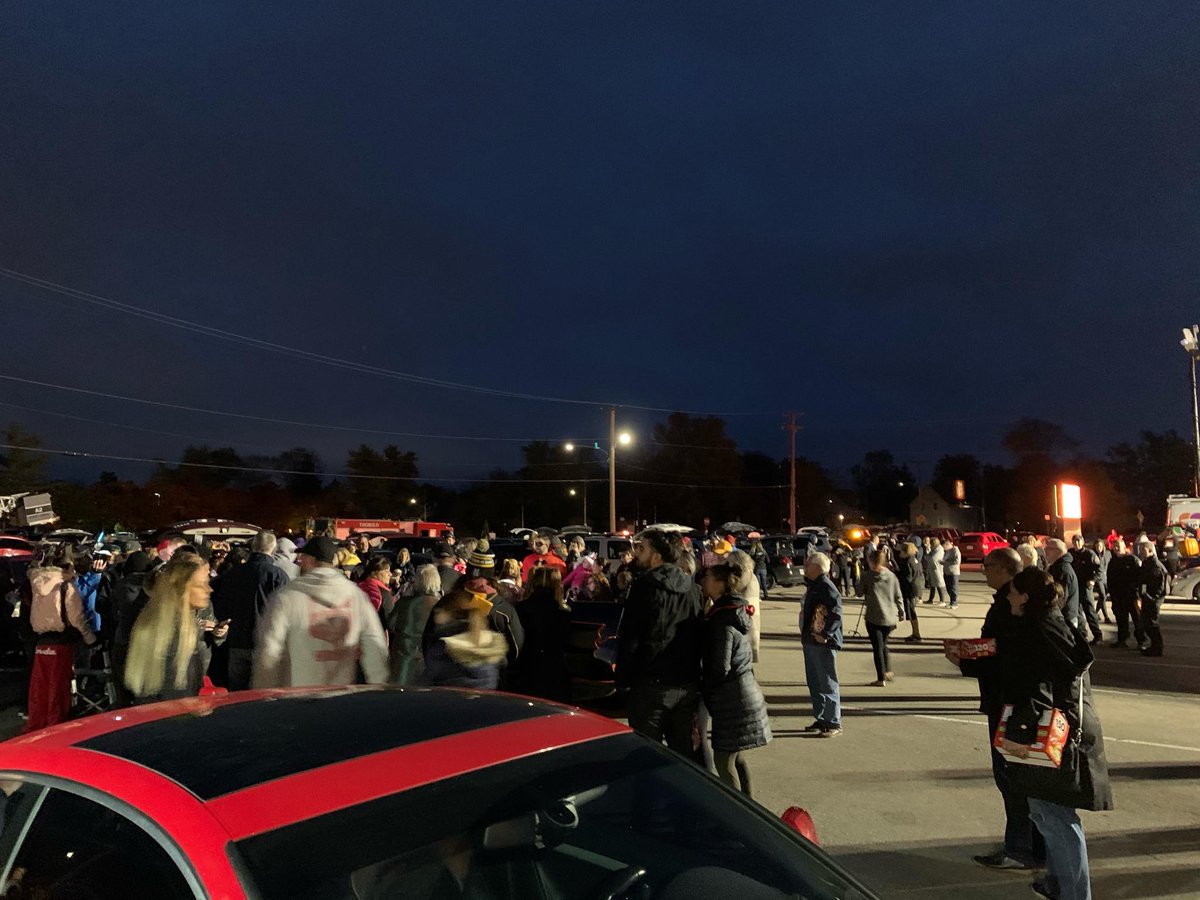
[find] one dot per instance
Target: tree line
(689, 469)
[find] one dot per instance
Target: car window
(77, 848)
(575, 822)
(616, 548)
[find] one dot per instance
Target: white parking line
(974, 723)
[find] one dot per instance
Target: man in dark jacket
(1058, 564)
(1152, 586)
(821, 638)
(1124, 582)
(660, 643)
(1023, 844)
(1086, 565)
(241, 596)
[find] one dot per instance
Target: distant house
(931, 510)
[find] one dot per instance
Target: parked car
(975, 545)
(302, 793)
(1187, 583)
(783, 568)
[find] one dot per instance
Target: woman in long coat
(935, 576)
(731, 693)
(1045, 666)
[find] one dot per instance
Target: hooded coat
(56, 611)
(1046, 666)
(731, 693)
(882, 600)
(320, 629)
(1064, 574)
(661, 634)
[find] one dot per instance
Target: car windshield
(610, 818)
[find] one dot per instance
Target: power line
(82, 454)
(310, 356)
(255, 418)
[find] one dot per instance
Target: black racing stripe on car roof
(239, 745)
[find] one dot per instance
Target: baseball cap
(322, 549)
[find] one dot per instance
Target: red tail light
(786, 560)
(798, 819)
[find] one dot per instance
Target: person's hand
(820, 638)
(220, 630)
(99, 564)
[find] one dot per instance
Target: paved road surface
(905, 796)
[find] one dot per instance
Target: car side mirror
(798, 819)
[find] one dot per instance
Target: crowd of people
(178, 620)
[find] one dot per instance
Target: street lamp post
(574, 493)
(624, 439)
(1191, 343)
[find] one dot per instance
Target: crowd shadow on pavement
(1121, 868)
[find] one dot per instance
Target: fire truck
(1183, 522)
(343, 528)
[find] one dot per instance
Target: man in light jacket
(320, 628)
(951, 569)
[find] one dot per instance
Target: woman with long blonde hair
(168, 653)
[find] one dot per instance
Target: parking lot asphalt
(904, 797)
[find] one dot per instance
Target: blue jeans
(820, 671)
(952, 588)
(1066, 849)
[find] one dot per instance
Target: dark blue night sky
(914, 222)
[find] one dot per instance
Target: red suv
(975, 545)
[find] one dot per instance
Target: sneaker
(877, 684)
(1001, 860)
(954, 606)
(815, 728)
(912, 639)
(943, 604)
(889, 676)
(1039, 888)
(831, 731)
(1152, 651)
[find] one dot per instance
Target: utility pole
(791, 427)
(612, 470)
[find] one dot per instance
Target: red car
(363, 793)
(975, 545)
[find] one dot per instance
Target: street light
(1191, 343)
(412, 501)
(624, 439)
(575, 493)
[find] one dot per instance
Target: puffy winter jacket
(56, 612)
(661, 633)
(731, 693)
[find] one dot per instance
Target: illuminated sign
(960, 490)
(1070, 501)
